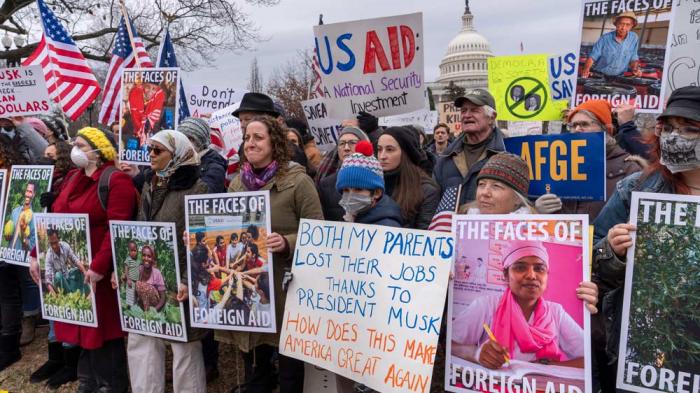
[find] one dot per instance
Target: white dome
(468, 41)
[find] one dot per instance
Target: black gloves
(46, 199)
(367, 122)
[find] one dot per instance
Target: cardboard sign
(64, 255)
(226, 131)
(366, 302)
(520, 86)
(548, 252)
(230, 267)
(149, 104)
(659, 315)
(23, 91)
(372, 65)
(522, 128)
(572, 166)
(684, 51)
(3, 183)
(424, 118)
(562, 76)
(27, 182)
(207, 98)
(451, 116)
(147, 271)
(324, 128)
(625, 66)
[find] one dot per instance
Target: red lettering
(408, 44)
(374, 51)
(394, 46)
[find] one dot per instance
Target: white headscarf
(180, 147)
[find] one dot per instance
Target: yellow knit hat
(99, 141)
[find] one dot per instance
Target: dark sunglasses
(155, 150)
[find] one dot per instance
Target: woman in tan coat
(293, 196)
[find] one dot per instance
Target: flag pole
(127, 22)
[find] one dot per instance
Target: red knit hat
(600, 108)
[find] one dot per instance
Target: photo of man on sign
(616, 51)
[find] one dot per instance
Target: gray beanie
(197, 130)
(355, 131)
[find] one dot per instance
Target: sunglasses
(154, 150)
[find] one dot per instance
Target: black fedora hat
(256, 102)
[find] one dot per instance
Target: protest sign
(572, 165)
(226, 131)
(424, 118)
(206, 98)
(451, 116)
(23, 91)
(3, 182)
(659, 335)
(562, 76)
(230, 268)
(522, 128)
(366, 302)
(324, 128)
(27, 182)
(149, 104)
(520, 86)
(684, 51)
(372, 65)
(147, 272)
(623, 61)
(501, 262)
(64, 256)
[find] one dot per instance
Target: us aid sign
(372, 65)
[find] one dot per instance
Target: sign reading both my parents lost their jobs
(572, 166)
(372, 65)
(366, 302)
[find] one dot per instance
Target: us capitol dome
(465, 62)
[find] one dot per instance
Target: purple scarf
(253, 181)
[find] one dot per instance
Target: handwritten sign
(372, 65)
(562, 76)
(572, 166)
(522, 128)
(322, 126)
(450, 115)
(659, 314)
(207, 98)
(23, 91)
(684, 51)
(424, 118)
(366, 302)
(631, 72)
(226, 131)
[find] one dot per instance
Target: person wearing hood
(51, 127)
(413, 190)
(360, 181)
(347, 141)
(266, 166)
(24, 138)
(213, 166)
(175, 173)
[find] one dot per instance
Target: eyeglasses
(519, 267)
(584, 124)
(347, 143)
(688, 132)
(154, 150)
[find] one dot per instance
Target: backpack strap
(103, 186)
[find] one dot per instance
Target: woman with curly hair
(266, 166)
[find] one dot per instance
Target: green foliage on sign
(73, 300)
(664, 318)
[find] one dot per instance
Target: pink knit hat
(517, 249)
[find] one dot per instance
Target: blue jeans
(31, 305)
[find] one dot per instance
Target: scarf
(509, 325)
(328, 166)
(181, 149)
(253, 181)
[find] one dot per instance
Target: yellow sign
(520, 85)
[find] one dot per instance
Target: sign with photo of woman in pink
(515, 320)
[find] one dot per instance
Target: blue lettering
(448, 254)
(329, 69)
(348, 65)
(570, 60)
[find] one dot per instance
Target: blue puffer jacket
(213, 171)
(386, 212)
(447, 173)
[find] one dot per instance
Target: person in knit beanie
(592, 115)
(361, 183)
(213, 166)
(101, 142)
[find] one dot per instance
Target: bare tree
(290, 82)
(255, 83)
(199, 28)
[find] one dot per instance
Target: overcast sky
(544, 26)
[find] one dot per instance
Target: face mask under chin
(679, 154)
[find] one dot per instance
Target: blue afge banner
(572, 166)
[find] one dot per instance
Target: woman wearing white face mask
(102, 362)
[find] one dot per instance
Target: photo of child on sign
(230, 267)
(149, 104)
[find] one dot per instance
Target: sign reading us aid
(521, 88)
(363, 302)
(372, 65)
(572, 166)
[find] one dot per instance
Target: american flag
(166, 58)
(68, 77)
(122, 57)
(316, 83)
(442, 220)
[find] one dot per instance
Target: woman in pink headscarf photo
(525, 326)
